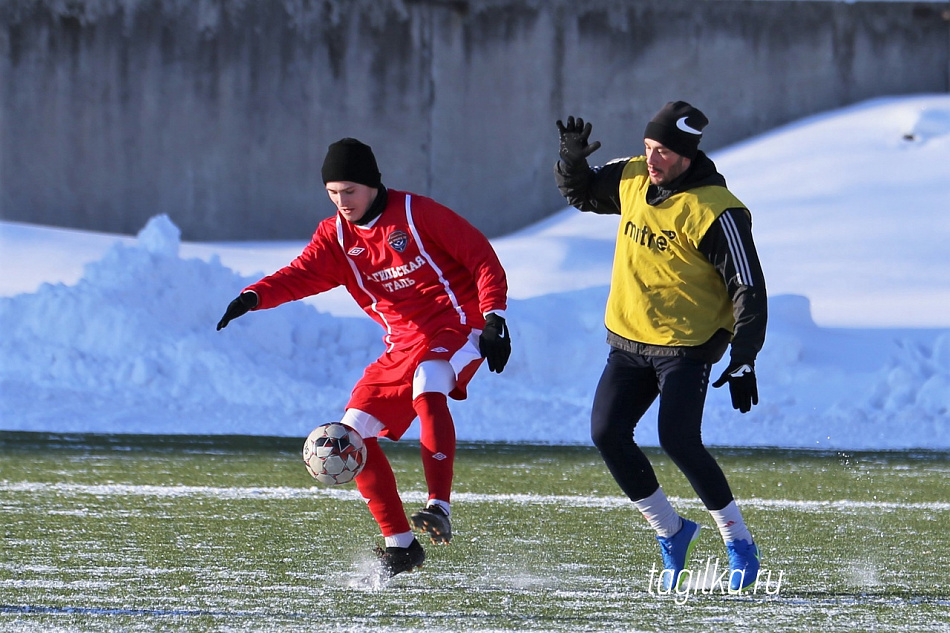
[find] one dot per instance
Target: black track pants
(628, 386)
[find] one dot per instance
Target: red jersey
(416, 269)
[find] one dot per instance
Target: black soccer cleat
(434, 522)
(395, 560)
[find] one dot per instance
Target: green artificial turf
(105, 533)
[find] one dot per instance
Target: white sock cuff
(400, 540)
(445, 505)
(659, 513)
(731, 525)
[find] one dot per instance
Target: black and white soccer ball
(334, 453)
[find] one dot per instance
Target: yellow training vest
(663, 291)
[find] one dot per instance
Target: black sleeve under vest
(596, 190)
(729, 247)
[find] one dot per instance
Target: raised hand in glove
(495, 342)
(244, 302)
(574, 147)
(742, 386)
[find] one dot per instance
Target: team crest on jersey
(356, 250)
(398, 240)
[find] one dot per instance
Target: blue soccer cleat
(676, 550)
(743, 564)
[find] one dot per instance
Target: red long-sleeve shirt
(416, 269)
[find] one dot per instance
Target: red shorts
(385, 390)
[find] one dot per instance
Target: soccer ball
(334, 453)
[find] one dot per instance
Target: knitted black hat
(678, 126)
(349, 160)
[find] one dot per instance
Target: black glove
(742, 387)
(574, 147)
(245, 301)
(495, 342)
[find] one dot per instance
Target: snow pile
(132, 347)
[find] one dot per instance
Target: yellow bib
(663, 290)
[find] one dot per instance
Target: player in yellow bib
(686, 285)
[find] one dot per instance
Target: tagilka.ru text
(711, 579)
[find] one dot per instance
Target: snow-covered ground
(106, 333)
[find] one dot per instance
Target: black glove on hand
(742, 385)
(574, 147)
(245, 301)
(495, 343)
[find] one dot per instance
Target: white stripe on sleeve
(736, 249)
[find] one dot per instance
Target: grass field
(106, 533)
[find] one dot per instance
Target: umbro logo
(356, 250)
(440, 350)
(440, 456)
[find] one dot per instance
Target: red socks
(377, 483)
(437, 436)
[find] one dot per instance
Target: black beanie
(678, 126)
(349, 160)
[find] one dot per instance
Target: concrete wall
(218, 112)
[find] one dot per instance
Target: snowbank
(132, 348)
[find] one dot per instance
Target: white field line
(350, 493)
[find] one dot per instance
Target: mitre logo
(645, 236)
(398, 241)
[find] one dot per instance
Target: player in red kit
(436, 286)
